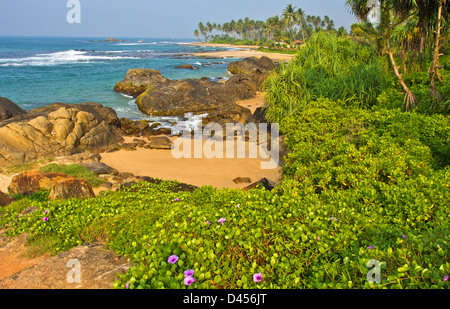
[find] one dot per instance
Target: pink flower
(222, 220)
(257, 277)
(173, 259)
(176, 200)
(126, 285)
(45, 219)
(445, 279)
(189, 273)
(189, 280)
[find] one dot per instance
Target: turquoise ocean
(37, 71)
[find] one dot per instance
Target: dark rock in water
(137, 81)
(9, 109)
(6, 199)
(240, 180)
(265, 183)
(100, 168)
(186, 66)
(71, 188)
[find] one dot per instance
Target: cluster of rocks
(158, 96)
(55, 130)
(61, 129)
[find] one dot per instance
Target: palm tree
(202, 30)
(289, 18)
(301, 22)
(196, 33)
(393, 13)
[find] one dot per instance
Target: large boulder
(57, 130)
(9, 109)
(250, 65)
(30, 182)
(71, 188)
(137, 81)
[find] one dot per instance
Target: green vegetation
(367, 179)
(277, 32)
(75, 170)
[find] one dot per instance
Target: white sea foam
(136, 44)
(58, 58)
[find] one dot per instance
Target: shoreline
(243, 51)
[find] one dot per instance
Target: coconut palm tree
(301, 22)
(289, 18)
(197, 34)
(392, 14)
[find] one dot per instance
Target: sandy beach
(243, 51)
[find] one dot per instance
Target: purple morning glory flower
(208, 222)
(45, 219)
(173, 259)
(189, 273)
(371, 247)
(238, 206)
(257, 277)
(176, 200)
(126, 285)
(445, 278)
(46, 211)
(189, 280)
(404, 236)
(222, 220)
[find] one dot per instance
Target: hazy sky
(148, 18)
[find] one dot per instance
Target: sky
(148, 18)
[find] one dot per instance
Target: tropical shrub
(327, 66)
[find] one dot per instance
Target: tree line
(291, 25)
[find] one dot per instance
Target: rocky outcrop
(137, 81)
(186, 66)
(56, 130)
(9, 109)
(158, 96)
(250, 65)
(71, 188)
(30, 182)
(61, 186)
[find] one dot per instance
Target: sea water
(38, 71)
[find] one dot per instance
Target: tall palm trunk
(410, 98)
(434, 69)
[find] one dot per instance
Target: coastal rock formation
(30, 182)
(9, 109)
(163, 97)
(160, 142)
(137, 81)
(57, 130)
(186, 66)
(71, 188)
(250, 65)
